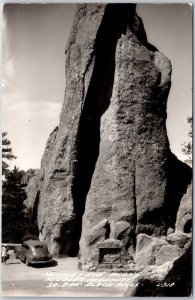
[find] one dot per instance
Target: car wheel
(26, 262)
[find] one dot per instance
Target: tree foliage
(13, 196)
(187, 147)
(7, 153)
(17, 220)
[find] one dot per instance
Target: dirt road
(62, 278)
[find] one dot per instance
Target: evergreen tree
(13, 215)
(17, 220)
(7, 153)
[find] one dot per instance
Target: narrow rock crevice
(35, 212)
(66, 239)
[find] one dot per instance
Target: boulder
(178, 239)
(143, 241)
(157, 251)
(97, 232)
(118, 229)
(122, 231)
(170, 279)
(167, 253)
(147, 249)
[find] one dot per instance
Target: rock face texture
(31, 181)
(184, 215)
(108, 178)
(132, 134)
(171, 278)
(27, 176)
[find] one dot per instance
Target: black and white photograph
(96, 150)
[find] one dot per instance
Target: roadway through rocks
(62, 278)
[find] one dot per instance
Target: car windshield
(39, 247)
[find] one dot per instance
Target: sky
(34, 39)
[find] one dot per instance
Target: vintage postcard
(97, 150)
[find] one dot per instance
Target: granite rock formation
(27, 176)
(171, 278)
(184, 214)
(31, 182)
(108, 177)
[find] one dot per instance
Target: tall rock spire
(105, 173)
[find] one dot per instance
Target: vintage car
(33, 252)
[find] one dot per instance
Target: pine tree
(17, 220)
(13, 215)
(7, 153)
